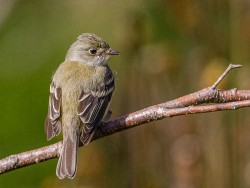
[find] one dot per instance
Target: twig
(229, 68)
(159, 112)
(30, 157)
(225, 100)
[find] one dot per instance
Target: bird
(80, 93)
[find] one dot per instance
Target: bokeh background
(169, 49)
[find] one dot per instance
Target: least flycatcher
(80, 93)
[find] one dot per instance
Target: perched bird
(80, 93)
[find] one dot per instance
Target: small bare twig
(229, 68)
(224, 100)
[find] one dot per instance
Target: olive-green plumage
(80, 93)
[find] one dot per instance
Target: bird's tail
(66, 166)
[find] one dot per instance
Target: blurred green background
(169, 48)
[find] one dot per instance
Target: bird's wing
(53, 122)
(92, 107)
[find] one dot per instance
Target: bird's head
(90, 49)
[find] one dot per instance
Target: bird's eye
(92, 51)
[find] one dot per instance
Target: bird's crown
(93, 40)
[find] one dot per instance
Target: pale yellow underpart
(74, 78)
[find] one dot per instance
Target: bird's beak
(110, 51)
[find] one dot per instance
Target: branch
(189, 104)
(229, 68)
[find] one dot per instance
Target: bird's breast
(74, 78)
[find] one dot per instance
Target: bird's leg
(107, 116)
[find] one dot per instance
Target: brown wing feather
(92, 107)
(53, 123)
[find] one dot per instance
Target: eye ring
(92, 51)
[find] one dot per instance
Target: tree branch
(223, 100)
